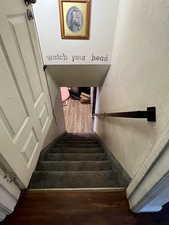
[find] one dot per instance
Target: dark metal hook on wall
(30, 15)
(149, 114)
(28, 2)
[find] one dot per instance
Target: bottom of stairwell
(77, 161)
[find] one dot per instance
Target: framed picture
(75, 18)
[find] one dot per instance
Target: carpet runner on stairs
(76, 161)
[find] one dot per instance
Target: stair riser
(75, 157)
(77, 145)
(78, 140)
(73, 136)
(74, 166)
(76, 150)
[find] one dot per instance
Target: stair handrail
(149, 114)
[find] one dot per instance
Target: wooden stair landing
(79, 208)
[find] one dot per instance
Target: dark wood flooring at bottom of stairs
(81, 208)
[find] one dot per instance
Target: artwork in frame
(75, 18)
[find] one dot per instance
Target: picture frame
(75, 19)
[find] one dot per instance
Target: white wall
(78, 75)
(138, 77)
(57, 126)
(103, 19)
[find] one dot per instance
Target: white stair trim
(149, 189)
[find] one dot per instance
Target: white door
(25, 110)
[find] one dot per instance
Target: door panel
(30, 146)
(10, 97)
(25, 108)
(23, 38)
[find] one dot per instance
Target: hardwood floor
(77, 117)
(81, 208)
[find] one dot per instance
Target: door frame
(9, 195)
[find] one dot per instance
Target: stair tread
(79, 139)
(73, 179)
(80, 144)
(74, 172)
(76, 156)
(76, 146)
(77, 153)
(74, 165)
(76, 150)
(80, 161)
(86, 140)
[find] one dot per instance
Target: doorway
(78, 104)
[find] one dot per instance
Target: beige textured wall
(103, 15)
(138, 77)
(57, 127)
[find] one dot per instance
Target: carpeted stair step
(73, 179)
(84, 140)
(77, 144)
(75, 156)
(80, 136)
(79, 139)
(74, 165)
(76, 150)
(77, 161)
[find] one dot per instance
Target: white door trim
(9, 195)
(146, 190)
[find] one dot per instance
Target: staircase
(77, 161)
